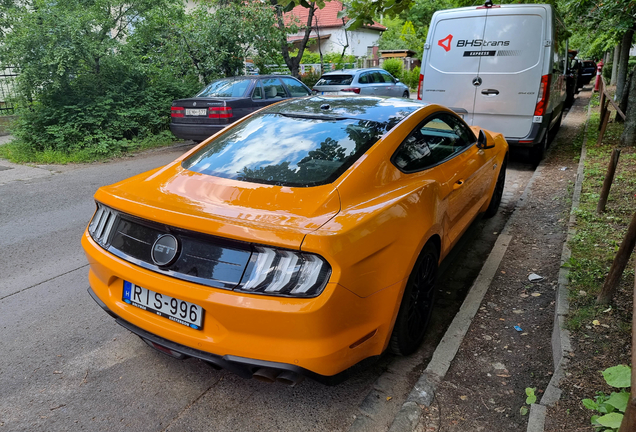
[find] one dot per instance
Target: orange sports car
(298, 241)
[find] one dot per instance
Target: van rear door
(448, 74)
(512, 59)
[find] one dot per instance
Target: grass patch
(18, 152)
(598, 236)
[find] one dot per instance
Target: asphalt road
(66, 365)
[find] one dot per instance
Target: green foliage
(411, 78)
(97, 78)
(618, 376)
(401, 34)
(611, 407)
(394, 66)
(531, 397)
(310, 79)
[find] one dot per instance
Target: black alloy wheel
(497, 193)
(417, 304)
(405, 94)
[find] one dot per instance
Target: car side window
(435, 140)
(273, 88)
(295, 88)
(377, 78)
(257, 93)
(364, 78)
(386, 77)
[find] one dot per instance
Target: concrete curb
(561, 345)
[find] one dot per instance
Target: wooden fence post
(603, 125)
(609, 179)
(620, 261)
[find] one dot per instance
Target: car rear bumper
(197, 132)
(319, 337)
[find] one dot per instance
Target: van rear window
(515, 42)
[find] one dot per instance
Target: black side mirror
(482, 141)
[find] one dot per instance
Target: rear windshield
(589, 64)
(335, 80)
(287, 150)
(225, 88)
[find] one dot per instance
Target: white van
(501, 67)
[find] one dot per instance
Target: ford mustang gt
(298, 241)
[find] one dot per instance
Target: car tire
(417, 303)
(497, 193)
(538, 151)
(405, 94)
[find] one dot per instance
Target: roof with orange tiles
(327, 16)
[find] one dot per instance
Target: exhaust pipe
(289, 378)
(267, 375)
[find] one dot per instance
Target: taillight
(544, 94)
(355, 90)
(220, 112)
(419, 87)
(177, 111)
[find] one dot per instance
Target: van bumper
(537, 132)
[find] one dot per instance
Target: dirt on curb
(508, 346)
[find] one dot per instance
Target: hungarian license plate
(176, 310)
(196, 111)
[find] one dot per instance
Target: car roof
(250, 77)
(352, 71)
(373, 108)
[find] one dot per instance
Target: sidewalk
(508, 345)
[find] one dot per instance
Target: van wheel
(417, 304)
(538, 151)
(555, 129)
(405, 94)
(497, 193)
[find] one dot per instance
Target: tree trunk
(293, 63)
(629, 420)
(628, 138)
(617, 58)
(621, 78)
(624, 100)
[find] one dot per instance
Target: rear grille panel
(202, 259)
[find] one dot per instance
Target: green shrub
(393, 66)
(412, 78)
(310, 79)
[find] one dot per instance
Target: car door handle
(490, 92)
(458, 184)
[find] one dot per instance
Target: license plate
(196, 112)
(176, 310)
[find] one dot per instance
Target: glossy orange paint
(370, 225)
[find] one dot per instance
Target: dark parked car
(588, 70)
(226, 100)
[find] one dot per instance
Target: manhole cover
(4, 168)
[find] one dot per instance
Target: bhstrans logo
(446, 42)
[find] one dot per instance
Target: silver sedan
(373, 81)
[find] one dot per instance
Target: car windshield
(335, 80)
(225, 88)
(287, 150)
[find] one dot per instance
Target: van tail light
(544, 94)
(419, 87)
(177, 111)
(355, 90)
(220, 112)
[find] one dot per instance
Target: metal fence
(7, 88)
